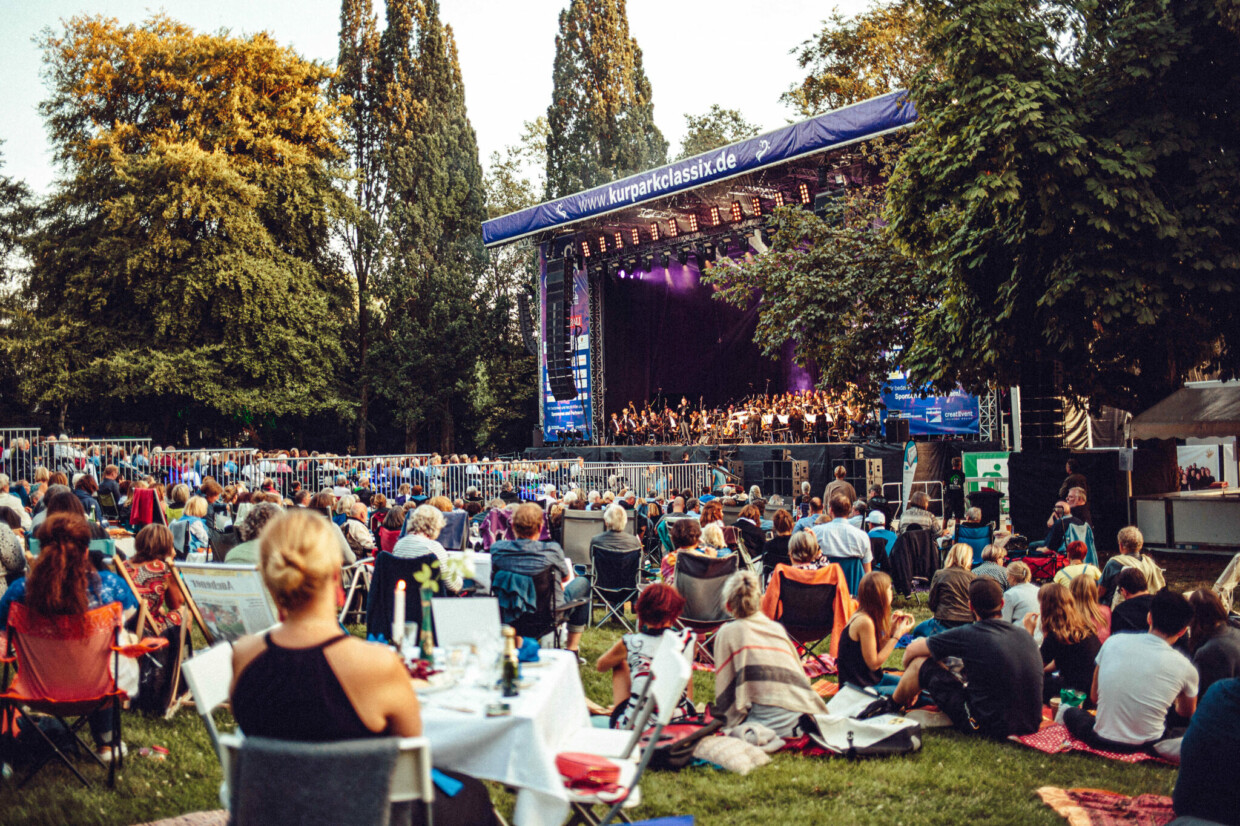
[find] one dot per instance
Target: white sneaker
(105, 752)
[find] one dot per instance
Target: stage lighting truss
(672, 229)
(619, 240)
(714, 216)
(803, 192)
(635, 235)
(693, 223)
(585, 249)
(737, 214)
(779, 199)
(654, 231)
(756, 203)
(602, 245)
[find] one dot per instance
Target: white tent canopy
(1202, 410)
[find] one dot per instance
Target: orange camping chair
(66, 667)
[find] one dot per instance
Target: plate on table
(439, 681)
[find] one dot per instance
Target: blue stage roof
(858, 122)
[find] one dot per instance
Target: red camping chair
(66, 667)
(1044, 566)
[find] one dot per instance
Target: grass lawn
(953, 779)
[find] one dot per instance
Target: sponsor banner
(910, 469)
(957, 414)
(841, 126)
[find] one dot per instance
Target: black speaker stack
(558, 335)
(897, 430)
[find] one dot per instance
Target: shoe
(104, 753)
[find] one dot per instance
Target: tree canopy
(182, 262)
(601, 117)
(715, 128)
(1071, 187)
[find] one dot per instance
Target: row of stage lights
(705, 252)
(667, 232)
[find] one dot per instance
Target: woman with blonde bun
(308, 680)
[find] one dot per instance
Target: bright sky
(696, 53)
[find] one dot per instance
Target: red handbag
(586, 770)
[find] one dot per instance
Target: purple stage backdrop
(665, 336)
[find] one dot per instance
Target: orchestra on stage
(804, 416)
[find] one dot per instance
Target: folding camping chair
(670, 672)
(180, 538)
(388, 570)
(914, 559)
(221, 542)
(976, 537)
(209, 676)
(549, 614)
(111, 511)
(358, 576)
(66, 667)
(455, 530)
(806, 609)
(853, 568)
(1082, 533)
(615, 578)
(700, 579)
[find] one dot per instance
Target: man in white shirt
(1137, 679)
(11, 500)
(838, 538)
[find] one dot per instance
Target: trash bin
(988, 500)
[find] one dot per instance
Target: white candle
(398, 614)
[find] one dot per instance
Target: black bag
(679, 738)
(28, 747)
(156, 670)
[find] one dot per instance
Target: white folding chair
(209, 676)
(411, 777)
(358, 576)
(670, 672)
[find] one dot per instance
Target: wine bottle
(511, 666)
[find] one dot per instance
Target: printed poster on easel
(230, 600)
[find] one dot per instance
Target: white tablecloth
(482, 567)
(518, 750)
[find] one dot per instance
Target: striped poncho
(756, 663)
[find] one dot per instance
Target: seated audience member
(857, 517)
(1206, 787)
(1215, 643)
(712, 514)
(949, 593)
(85, 488)
(1069, 644)
(877, 523)
(804, 553)
(12, 553)
(195, 516)
(528, 555)
(62, 582)
(658, 608)
(992, 565)
(249, 531)
(838, 539)
(615, 538)
(1076, 566)
(712, 537)
(1131, 618)
(150, 568)
(1137, 679)
(425, 524)
(759, 678)
(389, 531)
(1130, 543)
(1072, 511)
(918, 513)
(357, 532)
(775, 549)
(177, 498)
(987, 676)
(307, 680)
(1085, 595)
(871, 635)
(380, 507)
(806, 523)
(749, 524)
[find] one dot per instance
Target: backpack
(880, 736)
(679, 738)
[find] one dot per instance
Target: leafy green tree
(601, 116)
(431, 337)
(359, 89)
(855, 58)
(717, 127)
(1071, 189)
(16, 219)
(17, 209)
(182, 272)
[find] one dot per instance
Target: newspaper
(232, 599)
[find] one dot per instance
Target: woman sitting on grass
(871, 635)
(658, 608)
(1069, 645)
(949, 593)
(758, 674)
(1085, 595)
(308, 681)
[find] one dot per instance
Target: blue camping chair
(976, 537)
(854, 570)
(1082, 533)
(455, 529)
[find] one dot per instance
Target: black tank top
(851, 663)
(293, 694)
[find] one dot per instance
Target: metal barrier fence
(932, 489)
(25, 451)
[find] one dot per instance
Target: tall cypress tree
(435, 198)
(361, 228)
(601, 113)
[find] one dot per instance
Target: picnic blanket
(1055, 739)
(1095, 807)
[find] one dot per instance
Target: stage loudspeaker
(777, 477)
(558, 334)
(737, 469)
(662, 456)
(536, 438)
(897, 430)
(800, 473)
(714, 457)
